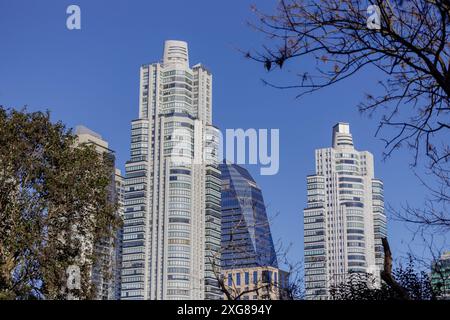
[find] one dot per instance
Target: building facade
(344, 220)
(256, 283)
(247, 249)
(117, 258)
(171, 217)
(105, 274)
(246, 237)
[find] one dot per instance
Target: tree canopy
(55, 205)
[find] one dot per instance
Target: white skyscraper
(344, 219)
(172, 190)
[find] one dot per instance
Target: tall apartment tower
(108, 249)
(172, 184)
(344, 219)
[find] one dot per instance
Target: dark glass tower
(246, 238)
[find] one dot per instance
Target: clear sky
(91, 77)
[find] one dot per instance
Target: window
(255, 277)
(238, 279)
(247, 278)
(266, 275)
(230, 279)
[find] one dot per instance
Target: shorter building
(105, 273)
(256, 283)
(440, 276)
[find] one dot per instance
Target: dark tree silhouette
(409, 44)
(360, 286)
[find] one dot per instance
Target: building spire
(342, 135)
(176, 52)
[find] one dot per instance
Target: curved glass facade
(246, 237)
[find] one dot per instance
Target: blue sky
(90, 77)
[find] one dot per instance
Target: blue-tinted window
(247, 278)
(237, 178)
(238, 279)
(255, 277)
(230, 279)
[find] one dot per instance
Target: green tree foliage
(55, 205)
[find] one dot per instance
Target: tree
(54, 207)
(401, 283)
(361, 286)
(408, 42)
(434, 216)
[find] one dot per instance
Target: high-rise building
(344, 220)
(105, 273)
(440, 276)
(171, 218)
(247, 249)
(117, 258)
(212, 233)
(246, 237)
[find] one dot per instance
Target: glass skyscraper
(249, 260)
(172, 198)
(344, 220)
(246, 237)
